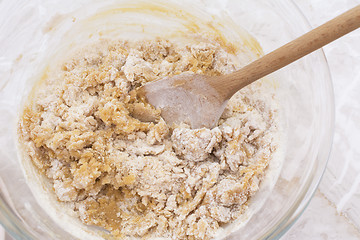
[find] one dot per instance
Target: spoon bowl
(187, 98)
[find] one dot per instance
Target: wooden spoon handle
(292, 51)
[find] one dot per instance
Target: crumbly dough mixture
(114, 160)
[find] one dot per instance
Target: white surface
(321, 221)
(334, 213)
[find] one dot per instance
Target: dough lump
(113, 158)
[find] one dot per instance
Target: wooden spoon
(200, 100)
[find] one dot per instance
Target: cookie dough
(113, 158)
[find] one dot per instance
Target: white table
(334, 212)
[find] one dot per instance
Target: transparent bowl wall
(304, 89)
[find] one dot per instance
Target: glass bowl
(35, 30)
